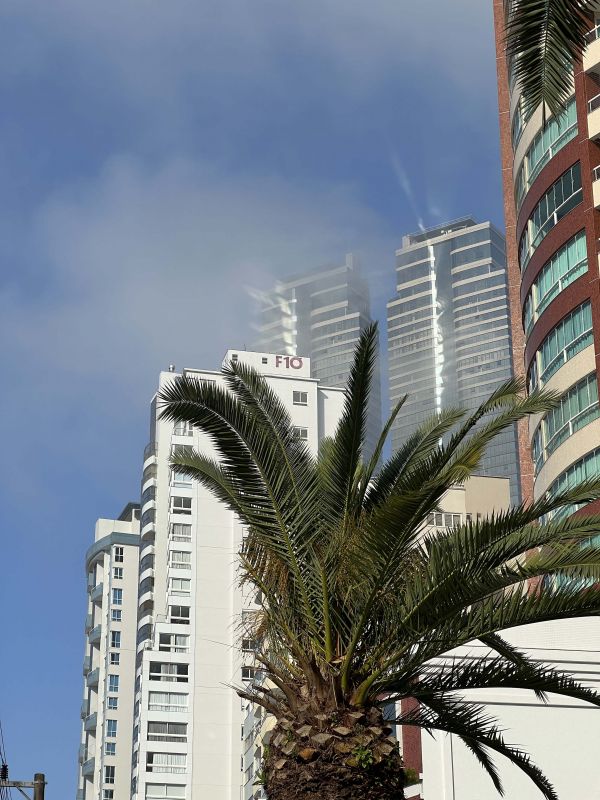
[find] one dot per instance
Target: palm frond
(543, 39)
(346, 447)
(463, 719)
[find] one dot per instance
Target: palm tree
(360, 602)
(543, 38)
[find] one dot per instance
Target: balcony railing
(95, 634)
(93, 677)
(84, 709)
(91, 722)
(594, 103)
(88, 767)
(89, 623)
(96, 593)
(592, 35)
(87, 664)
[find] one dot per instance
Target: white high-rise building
(321, 314)
(186, 721)
(109, 662)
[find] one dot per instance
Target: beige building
(109, 660)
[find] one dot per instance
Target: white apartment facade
(109, 661)
(186, 720)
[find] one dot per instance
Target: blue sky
(157, 159)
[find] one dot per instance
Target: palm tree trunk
(344, 755)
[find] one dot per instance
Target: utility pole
(38, 784)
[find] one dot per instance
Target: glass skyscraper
(320, 314)
(449, 337)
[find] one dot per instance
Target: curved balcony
(150, 452)
(93, 678)
(95, 634)
(148, 534)
(148, 596)
(87, 770)
(148, 523)
(97, 593)
(91, 722)
(148, 573)
(147, 549)
(147, 619)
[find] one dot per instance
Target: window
(160, 671)
(108, 794)
(587, 468)
(180, 559)
(115, 639)
(565, 266)
(165, 762)
(109, 774)
(180, 586)
(249, 673)
(561, 197)
(555, 134)
(300, 398)
(179, 478)
(577, 408)
(118, 573)
(113, 683)
(148, 495)
(180, 532)
(147, 562)
(111, 727)
(183, 428)
(117, 597)
(264, 360)
(164, 791)
(115, 615)
(173, 642)
(248, 645)
(149, 473)
(112, 703)
(115, 659)
(572, 334)
(301, 433)
(180, 615)
(110, 748)
(167, 731)
(181, 505)
(119, 555)
(167, 701)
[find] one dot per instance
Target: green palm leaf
(544, 38)
(362, 605)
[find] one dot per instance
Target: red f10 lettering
(290, 362)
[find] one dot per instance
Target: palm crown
(359, 600)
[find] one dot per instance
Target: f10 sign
(289, 362)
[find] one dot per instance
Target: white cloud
(153, 48)
(147, 267)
